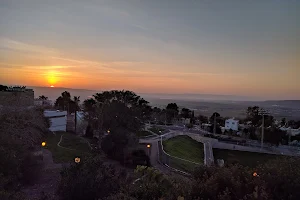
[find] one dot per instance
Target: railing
(178, 164)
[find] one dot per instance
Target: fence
(179, 164)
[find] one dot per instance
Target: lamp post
(43, 144)
(148, 147)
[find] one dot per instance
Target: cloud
(140, 27)
(14, 45)
(88, 64)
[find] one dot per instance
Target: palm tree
(76, 99)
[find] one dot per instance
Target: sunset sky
(249, 48)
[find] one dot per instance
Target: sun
(52, 78)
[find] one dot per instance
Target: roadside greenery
(277, 179)
(21, 135)
(74, 147)
(184, 147)
(245, 158)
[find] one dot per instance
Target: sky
(248, 48)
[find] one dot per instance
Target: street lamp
(148, 147)
(215, 123)
(77, 160)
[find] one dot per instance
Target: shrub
(89, 132)
(139, 157)
(89, 180)
(118, 143)
(20, 131)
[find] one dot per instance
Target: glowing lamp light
(108, 131)
(148, 145)
(77, 160)
(43, 144)
(255, 174)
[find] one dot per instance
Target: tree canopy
(3, 88)
(65, 102)
(42, 97)
(172, 111)
(276, 179)
(186, 113)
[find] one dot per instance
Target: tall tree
(117, 110)
(172, 111)
(253, 115)
(283, 122)
(76, 100)
(202, 119)
(64, 102)
(185, 113)
(216, 117)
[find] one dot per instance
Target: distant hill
(202, 97)
(53, 93)
(205, 104)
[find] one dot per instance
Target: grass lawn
(61, 155)
(186, 148)
(250, 159)
(74, 142)
(143, 133)
(157, 130)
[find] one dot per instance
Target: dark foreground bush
(31, 168)
(90, 180)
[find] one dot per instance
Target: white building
(232, 124)
(58, 119)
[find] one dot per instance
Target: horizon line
(223, 95)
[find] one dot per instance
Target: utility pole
(75, 121)
(215, 123)
(263, 113)
(166, 118)
(290, 133)
(263, 130)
